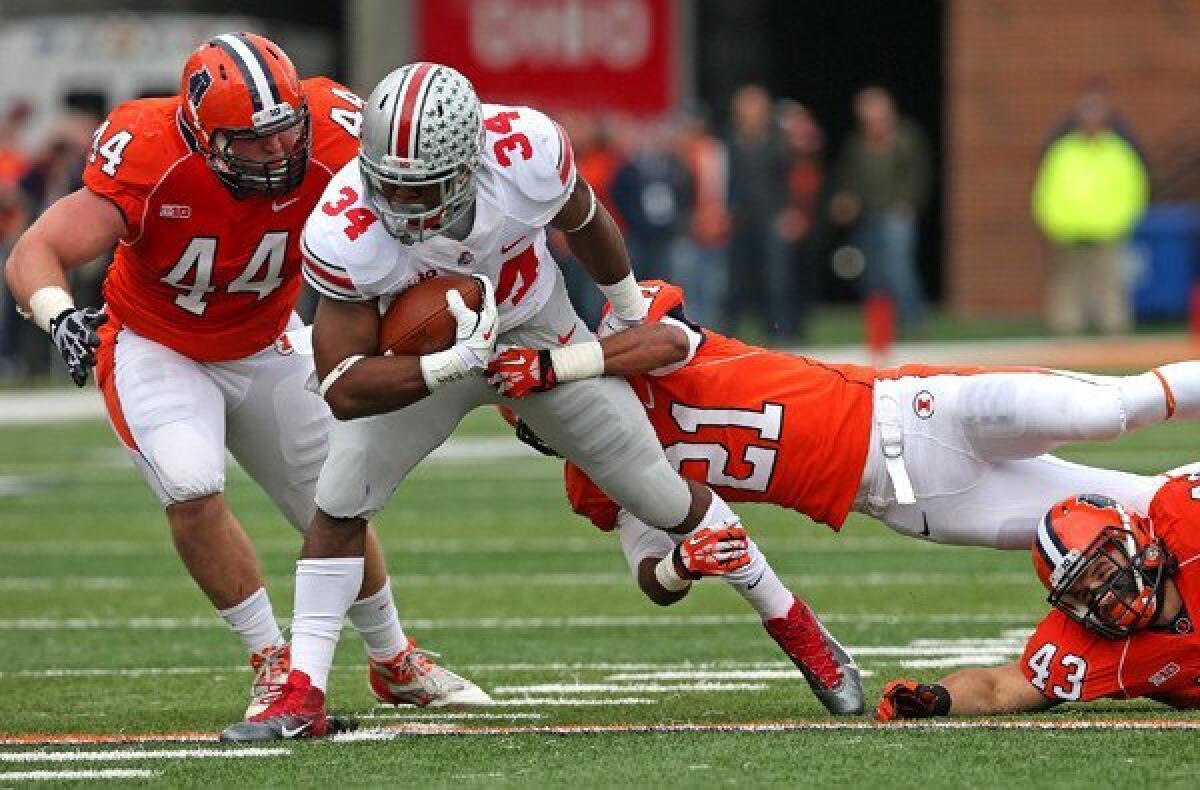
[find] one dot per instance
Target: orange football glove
(908, 699)
(517, 372)
(714, 551)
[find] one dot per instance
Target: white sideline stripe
(41, 583)
(390, 732)
(402, 716)
(615, 688)
(54, 776)
(136, 754)
(533, 623)
(402, 730)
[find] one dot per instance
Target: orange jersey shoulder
(336, 113)
(135, 146)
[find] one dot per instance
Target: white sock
(377, 620)
(762, 589)
(718, 512)
(253, 620)
(325, 589)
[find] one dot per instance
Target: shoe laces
(267, 664)
(805, 634)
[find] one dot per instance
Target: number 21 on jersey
(767, 423)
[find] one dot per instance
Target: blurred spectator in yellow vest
(1090, 192)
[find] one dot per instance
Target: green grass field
(102, 633)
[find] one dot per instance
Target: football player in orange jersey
(1124, 586)
(204, 196)
(951, 455)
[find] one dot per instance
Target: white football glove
(475, 340)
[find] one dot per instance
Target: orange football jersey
(199, 271)
(756, 425)
(1067, 662)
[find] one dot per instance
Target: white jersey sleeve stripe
(327, 281)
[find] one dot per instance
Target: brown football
(418, 320)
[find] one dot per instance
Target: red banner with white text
(617, 55)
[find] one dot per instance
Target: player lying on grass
(953, 455)
(1122, 585)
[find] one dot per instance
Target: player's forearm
(33, 265)
(377, 385)
(600, 249)
(985, 691)
(643, 349)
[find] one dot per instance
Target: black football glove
(74, 333)
(908, 699)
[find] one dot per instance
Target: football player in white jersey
(444, 184)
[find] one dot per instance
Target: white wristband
(48, 303)
(580, 361)
(443, 367)
(626, 298)
(667, 576)
(335, 374)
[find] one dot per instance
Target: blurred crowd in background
(745, 216)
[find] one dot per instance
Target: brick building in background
(1013, 69)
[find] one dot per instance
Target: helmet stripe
(1048, 543)
(412, 90)
(254, 70)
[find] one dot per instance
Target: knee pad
(181, 464)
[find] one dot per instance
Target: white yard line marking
(537, 702)
(517, 623)
(615, 688)
(566, 579)
(138, 754)
(421, 716)
(57, 776)
(403, 730)
(566, 544)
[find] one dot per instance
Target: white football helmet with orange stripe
(421, 136)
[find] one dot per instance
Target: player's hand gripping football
(516, 372)
(713, 551)
(475, 338)
(74, 333)
(908, 699)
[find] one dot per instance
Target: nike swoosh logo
(754, 583)
(924, 525)
(276, 206)
(564, 339)
(286, 732)
(504, 250)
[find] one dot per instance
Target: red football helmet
(242, 100)
(1102, 564)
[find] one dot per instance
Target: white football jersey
(526, 174)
